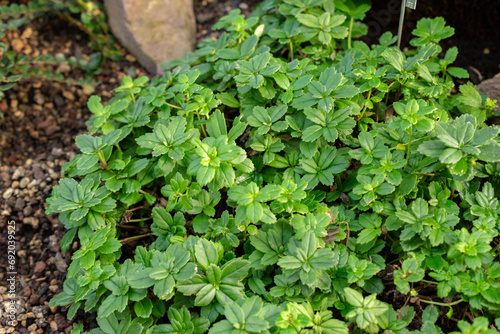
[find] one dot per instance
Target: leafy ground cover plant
(283, 179)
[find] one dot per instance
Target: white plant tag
(412, 4)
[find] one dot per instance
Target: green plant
(294, 173)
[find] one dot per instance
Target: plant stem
(291, 50)
(135, 237)
(350, 33)
(442, 304)
(172, 105)
(366, 106)
(497, 247)
(429, 282)
(140, 219)
(409, 144)
(103, 161)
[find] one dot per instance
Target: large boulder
(491, 88)
(154, 31)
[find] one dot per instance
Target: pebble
(60, 263)
(32, 184)
(51, 129)
(27, 211)
(59, 101)
(38, 173)
(54, 243)
(19, 206)
(39, 98)
(5, 177)
(18, 173)
(53, 325)
(15, 184)
(243, 6)
(35, 223)
(68, 95)
(24, 182)
(17, 44)
(40, 266)
(8, 193)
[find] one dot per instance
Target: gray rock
(154, 31)
(53, 243)
(19, 206)
(491, 88)
(60, 263)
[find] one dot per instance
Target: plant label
(412, 4)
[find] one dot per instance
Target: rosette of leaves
(308, 263)
(163, 270)
(215, 284)
(298, 318)
(85, 202)
(366, 312)
(251, 202)
(269, 245)
(182, 321)
(460, 143)
(169, 141)
(322, 166)
(218, 155)
(247, 316)
(434, 225)
(167, 228)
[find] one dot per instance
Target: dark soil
(42, 120)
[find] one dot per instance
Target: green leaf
(206, 253)
(143, 308)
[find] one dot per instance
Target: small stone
(68, 95)
(19, 206)
(40, 266)
(24, 182)
(60, 263)
(243, 6)
(34, 222)
(44, 124)
(27, 211)
(54, 309)
(39, 99)
(58, 100)
(18, 173)
(51, 129)
(8, 193)
(53, 288)
(15, 184)
(27, 32)
(38, 173)
(53, 243)
(5, 176)
(17, 44)
(61, 321)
